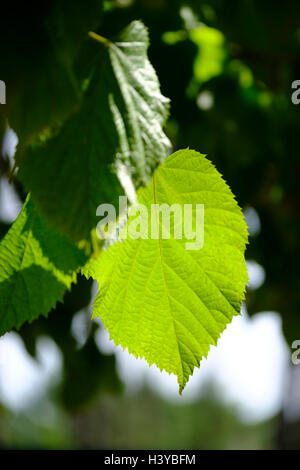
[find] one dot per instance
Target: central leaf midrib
(165, 280)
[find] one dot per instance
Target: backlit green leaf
(157, 298)
(37, 265)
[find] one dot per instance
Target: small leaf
(162, 301)
(37, 265)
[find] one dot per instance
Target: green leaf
(162, 301)
(37, 265)
(70, 174)
(139, 110)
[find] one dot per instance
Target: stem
(99, 38)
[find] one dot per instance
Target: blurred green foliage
(141, 421)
